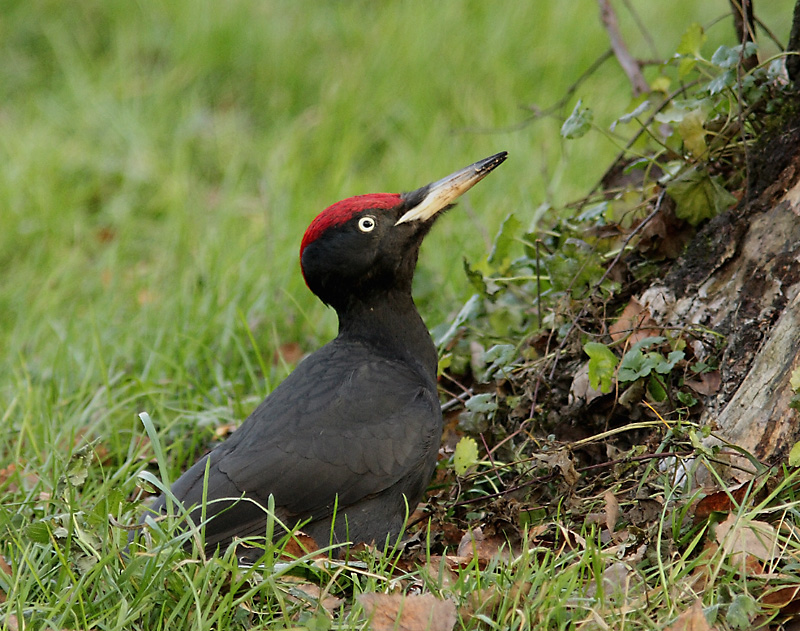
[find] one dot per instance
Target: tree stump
(740, 277)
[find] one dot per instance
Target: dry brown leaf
(634, 323)
(692, 619)
(616, 581)
(475, 544)
(787, 599)
(561, 460)
(720, 501)
(415, 612)
(612, 511)
(299, 546)
(328, 602)
(707, 383)
(740, 538)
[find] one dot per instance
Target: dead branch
(626, 61)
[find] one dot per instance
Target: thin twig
(629, 65)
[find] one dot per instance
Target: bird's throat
(390, 323)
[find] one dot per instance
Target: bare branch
(626, 61)
(745, 24)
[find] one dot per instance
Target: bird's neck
(389, 322)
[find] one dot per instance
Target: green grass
(158, 166)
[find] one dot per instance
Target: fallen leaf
(475, 545)
(634, 323)
(325, 600)
(692, 619)
(786, 599)
(741, 537)
(414, 612)
(612, 511)
(707, 383)
(721, 501)
(561, 460)
(299, 546)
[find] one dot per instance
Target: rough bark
(740, 277)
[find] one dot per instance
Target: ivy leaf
(656, 390)
(698, 196)
(741, 612)
(627, 118)
(692, 41)
(501, 250)
(468, 312)
(728, 57)
(602, 363)
(465, 455)
(725, 57)
(481, 403)
(794, 455)
(578, 123)
(721, 82)
(665, 366)
(693, 132)
(635, 365)
(501, 356)
(794, 380)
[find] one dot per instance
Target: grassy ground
(159, 164)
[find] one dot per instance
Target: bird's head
(370, 243)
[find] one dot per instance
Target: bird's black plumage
(357, 425)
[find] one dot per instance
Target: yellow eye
(366, 224)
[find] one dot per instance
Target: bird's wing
(364, 425)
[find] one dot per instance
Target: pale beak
(446, 191)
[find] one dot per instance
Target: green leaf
(627, 118)
(794, 455)
(656, 390)
(725, 57)
(635, 365)
(578, 123)
(692, 41)
(794, 380)
(468, 312)
(38, 532)
(499, 357)
(602, 363)
(647, 341)
(721, 82)
(728, 57)
(481, 403)
(665, 366)
(501, 250)
(685, 66)
(466, 455)
(698, 196)
(686, 398)
(693, 132)
(741, 611)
